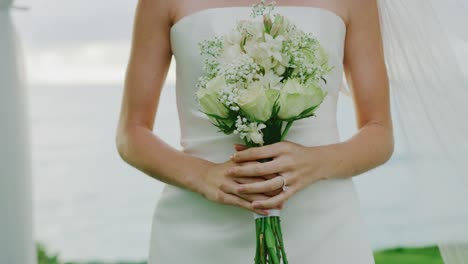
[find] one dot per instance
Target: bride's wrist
(330, 161)
(196, 181)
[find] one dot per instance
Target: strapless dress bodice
(198, 136)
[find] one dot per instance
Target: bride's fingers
(270, 176)
(240, 147)
(232, 189)
(253, 197)
(254, 169)
(258, 197)
(229, 189)
(243, 180)
(254, 179)
(256, 153)
(261, 187)
(230, 199)
(273, 193)
(274, 201)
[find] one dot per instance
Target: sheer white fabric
(429, 93)
(16, 239)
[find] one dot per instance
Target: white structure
(16, 232)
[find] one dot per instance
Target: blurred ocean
(89, 204)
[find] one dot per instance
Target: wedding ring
(285, 187)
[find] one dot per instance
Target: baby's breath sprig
(211, 47)
(305, 51)
(229, 96)
(201, 82)
(262, 8)
(241, 70)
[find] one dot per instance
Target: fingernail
(266, 212)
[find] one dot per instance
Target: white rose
(280, 69)
(232, 46)
(322, 56)
(319, 57)
(296, 97)
(231, 52)
(209, 98)
(285, 58)
(256, 29)
(257, 101)
(234, 37)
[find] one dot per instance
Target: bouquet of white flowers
(259, 78)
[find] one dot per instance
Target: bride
(215, 183)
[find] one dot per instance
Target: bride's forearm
(145, 151)
(370, 147)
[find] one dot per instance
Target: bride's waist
(219, 147)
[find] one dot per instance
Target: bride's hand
(300, 166)
(216, 185)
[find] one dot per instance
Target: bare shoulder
(155, 11)
(181, 8)
(362, 11)
(364, 27)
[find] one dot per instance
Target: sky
(89, 41)
(76, 41)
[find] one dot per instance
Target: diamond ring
(285, 187)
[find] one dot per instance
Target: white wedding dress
(322, 224)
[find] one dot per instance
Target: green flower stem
(277, 238)
(272, 133)
(285, 259)
(270, 241)
(257, 231)
(286, 130)
(263, 253)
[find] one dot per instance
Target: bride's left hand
(300, 165)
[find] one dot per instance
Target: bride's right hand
(217, 186)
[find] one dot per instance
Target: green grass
(45, 257)
(425, 255)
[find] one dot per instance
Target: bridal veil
(423, 41)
